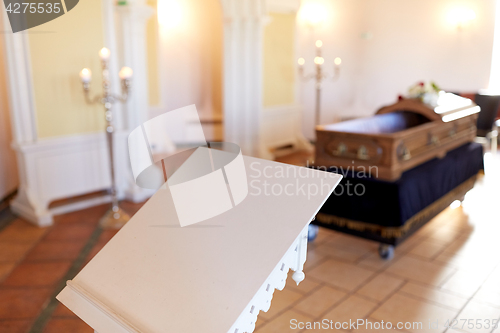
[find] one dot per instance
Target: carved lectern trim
(294, 259)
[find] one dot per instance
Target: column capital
(137, 9)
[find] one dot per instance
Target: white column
(22, 111)
(243, 37)
(132, 51)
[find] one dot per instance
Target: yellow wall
(59, 50)
(152, 50)
(279, 63)
(8, 167)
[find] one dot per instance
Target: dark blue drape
(391, 204)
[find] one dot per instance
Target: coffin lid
(448, 107)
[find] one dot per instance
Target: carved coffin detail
(399, 137)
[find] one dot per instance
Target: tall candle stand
(116, 217)
(319, 76)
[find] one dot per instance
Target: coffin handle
(433, 140)
(341, 150)
(403, 152)
(406, 154)
(363, 153)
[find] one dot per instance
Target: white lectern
(214, 276)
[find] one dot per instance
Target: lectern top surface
(161, 277)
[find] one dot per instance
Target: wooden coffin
(398, 138)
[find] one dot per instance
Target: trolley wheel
(312, 232)
(386, 251)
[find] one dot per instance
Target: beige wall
(190, 59)
(8, 169)
(59, 50)
(279, 60)
(388, 45)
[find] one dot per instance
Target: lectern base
(115, 218)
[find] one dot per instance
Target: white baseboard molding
(27, 212)
(63, 167)
(281, 126)
(81, 204)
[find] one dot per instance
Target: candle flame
(319, 60)
(104, 53)
(85, 75)
(125, 73)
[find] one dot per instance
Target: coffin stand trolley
(214, 276)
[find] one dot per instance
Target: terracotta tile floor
(449, 269)
(36, 262)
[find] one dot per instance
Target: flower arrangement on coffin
(427, 92)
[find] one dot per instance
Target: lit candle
(125, 73)
(337, 61)
(104, 54)
(301, 61)
(86, 75)
(319, 44)
(319, 61)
